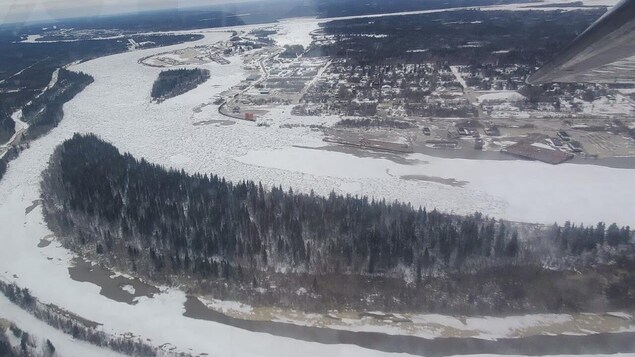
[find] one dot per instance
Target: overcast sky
(36, 10)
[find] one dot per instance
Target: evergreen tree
(499, 246)
(513, 245)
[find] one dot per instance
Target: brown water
(605, 343)
(111, 287)
(45, 241)
(363, 153)
(445, 181)
(468, 152)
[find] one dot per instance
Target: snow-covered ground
(498, 96)
(608, 106)
(117, 107)
(502, 106)
(64, 344)
(296, 31)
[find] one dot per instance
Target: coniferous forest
(42, 113)
(46, 111)
(174, 82)
(160, 223)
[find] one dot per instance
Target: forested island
(174, 82)
(237, 240)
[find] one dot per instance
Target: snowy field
(117, 107)
(64, 344)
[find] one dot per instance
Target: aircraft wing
(603, 53)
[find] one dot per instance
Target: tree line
(60, 320)
(46, 111)
(456, 37)
(166, 221)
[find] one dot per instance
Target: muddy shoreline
(606, 343)
(467, 153)
(535, 345)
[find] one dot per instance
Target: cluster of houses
(424, 89)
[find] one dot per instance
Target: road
(315, 79)
(469, 94)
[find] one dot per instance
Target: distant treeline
(174, 82)
(7, 126)
(161, 221)
(46, 111)
(456, 37)
(26, 68)
(339, 8)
